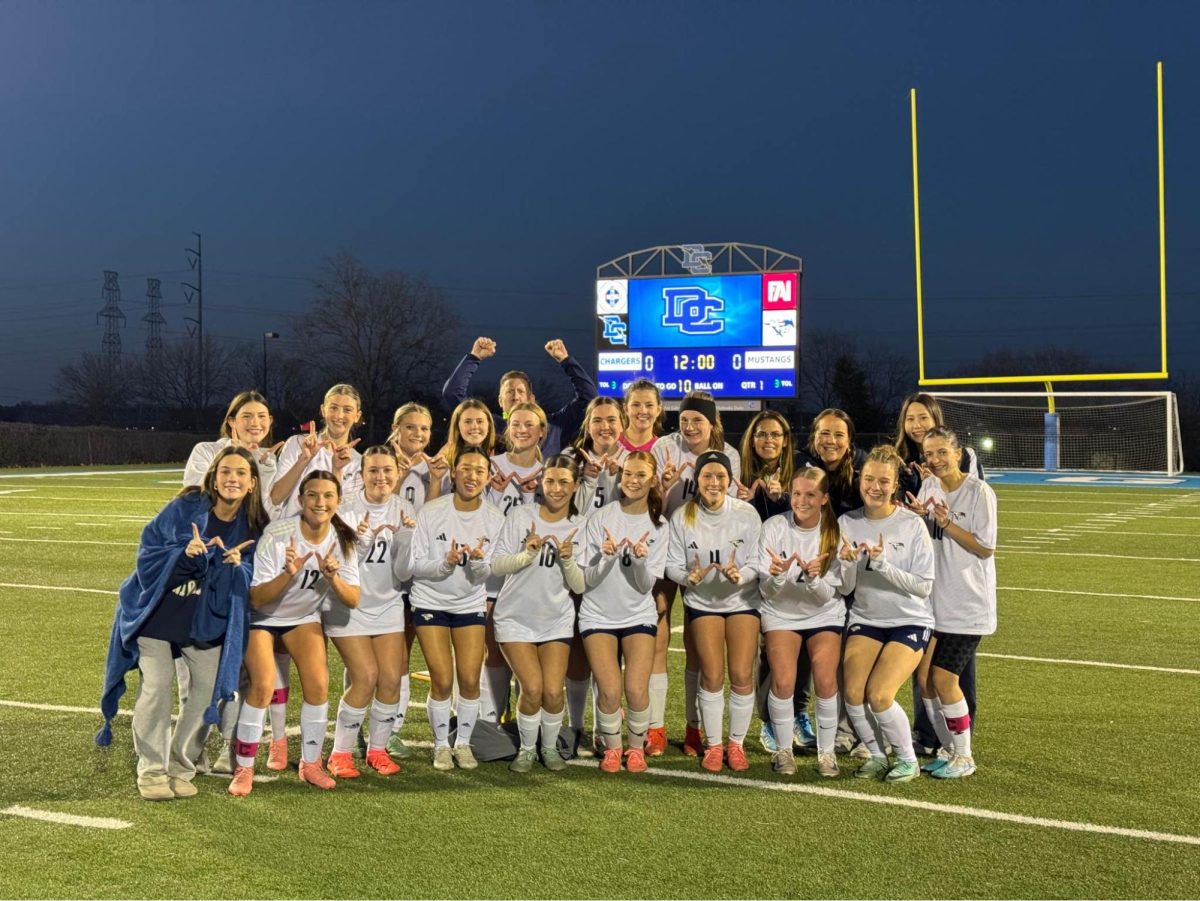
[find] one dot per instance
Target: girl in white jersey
(599, 452)
(302, 564)
(420, 480)
(960, 510)
(452, 548)
(535, 613)
(887, 562)
(801, 609)
(332, 450)
(370, 637)
(247, 424)
(700, 430)
(516, 480)
(471, 425)
(713, 553)
(644, 412)
(625, 552)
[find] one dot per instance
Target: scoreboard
(735, 336)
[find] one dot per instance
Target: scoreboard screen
(735, 336)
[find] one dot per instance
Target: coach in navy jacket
(516, 387)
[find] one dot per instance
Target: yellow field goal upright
(1058, 376)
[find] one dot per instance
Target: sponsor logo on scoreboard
(612, 296)
(619, 362)
(779, 328)
(770, 359)
(781, 292)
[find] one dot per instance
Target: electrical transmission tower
(196, 292)
(113, 318)
(154, 319)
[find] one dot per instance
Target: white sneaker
(860, 752)
(443, 759)
(465, 757)
(827, 764)
(843, 743)
(783, 761)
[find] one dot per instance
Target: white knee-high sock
(741, 710)
(494, 690)
(610, 728)
(468, 716)
(347, 726)
(712, 710)
(551, 726)
(249, 733)
(379, 726)
(402, 707)
(658, 700)
(637, 723)
(781, 710)
(527, 726)
(313, 720)
(893, 722)
(691, 695)
(279, 698)
(827, 723)
(933, 710)
(958, 719)
(864, 729)
(577, 693)
(439, 721)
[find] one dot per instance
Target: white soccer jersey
(672, 448)
(510, 498)
(322, 459)
(415, 486)
(206, 451)
(605, 488)
(728, 534)
(535, 602)
(436, 584)
(887, 592)
(964, 594)
(791, 600)
(619, 588)
(308, 591)
(380, 608)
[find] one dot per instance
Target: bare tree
(821, 351)
(388, 335)
(170, 381)
(96, 385)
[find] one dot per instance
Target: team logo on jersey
(690, 309)
(897, 545)
(615, 330)
(442, 537)
(693, 544)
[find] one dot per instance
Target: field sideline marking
(1097, 594)
(57, 588)
(1015, 551)
(1134, 666)
(65, 819)
(981, 813)
(120, 543)
(75, 475)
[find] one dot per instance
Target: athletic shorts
(623, 632)
(424, 617)
(954, 653)
(914, 637)
(691, 613)
(806, 634)
(277, 631)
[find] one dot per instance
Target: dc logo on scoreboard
(691, 309)
(612, 296)
(615, 331)
(781, 292)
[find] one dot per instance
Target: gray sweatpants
(163, 752)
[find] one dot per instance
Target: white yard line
(74, 541)
(57, 588)
(1100, 663)
(1082, 554)
(100, 473)
(64, 819)
(841, 794)
(1101, 594)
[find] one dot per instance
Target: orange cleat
(277, 755)
(341, 765)
(656, 742)
(612, 761)
(735, 755)
(714, 757)
(243, 781)
(380, 761)
(635, 760)
(314, 774)
(693, 742)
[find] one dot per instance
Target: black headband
(713, 456)
(702, 405)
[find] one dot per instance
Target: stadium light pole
(266, 336)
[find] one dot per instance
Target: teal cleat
(903, 771)
(875, 768)
(937, 763)
(957, 768)
(766, 737)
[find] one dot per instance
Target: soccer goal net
(1119, 431)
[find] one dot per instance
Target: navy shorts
(806, 634)
(277, 631)
(691, 613)
(624, 632)
(423, 617)
(914, 637)
(953, 653)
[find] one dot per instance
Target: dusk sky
(507, 149)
